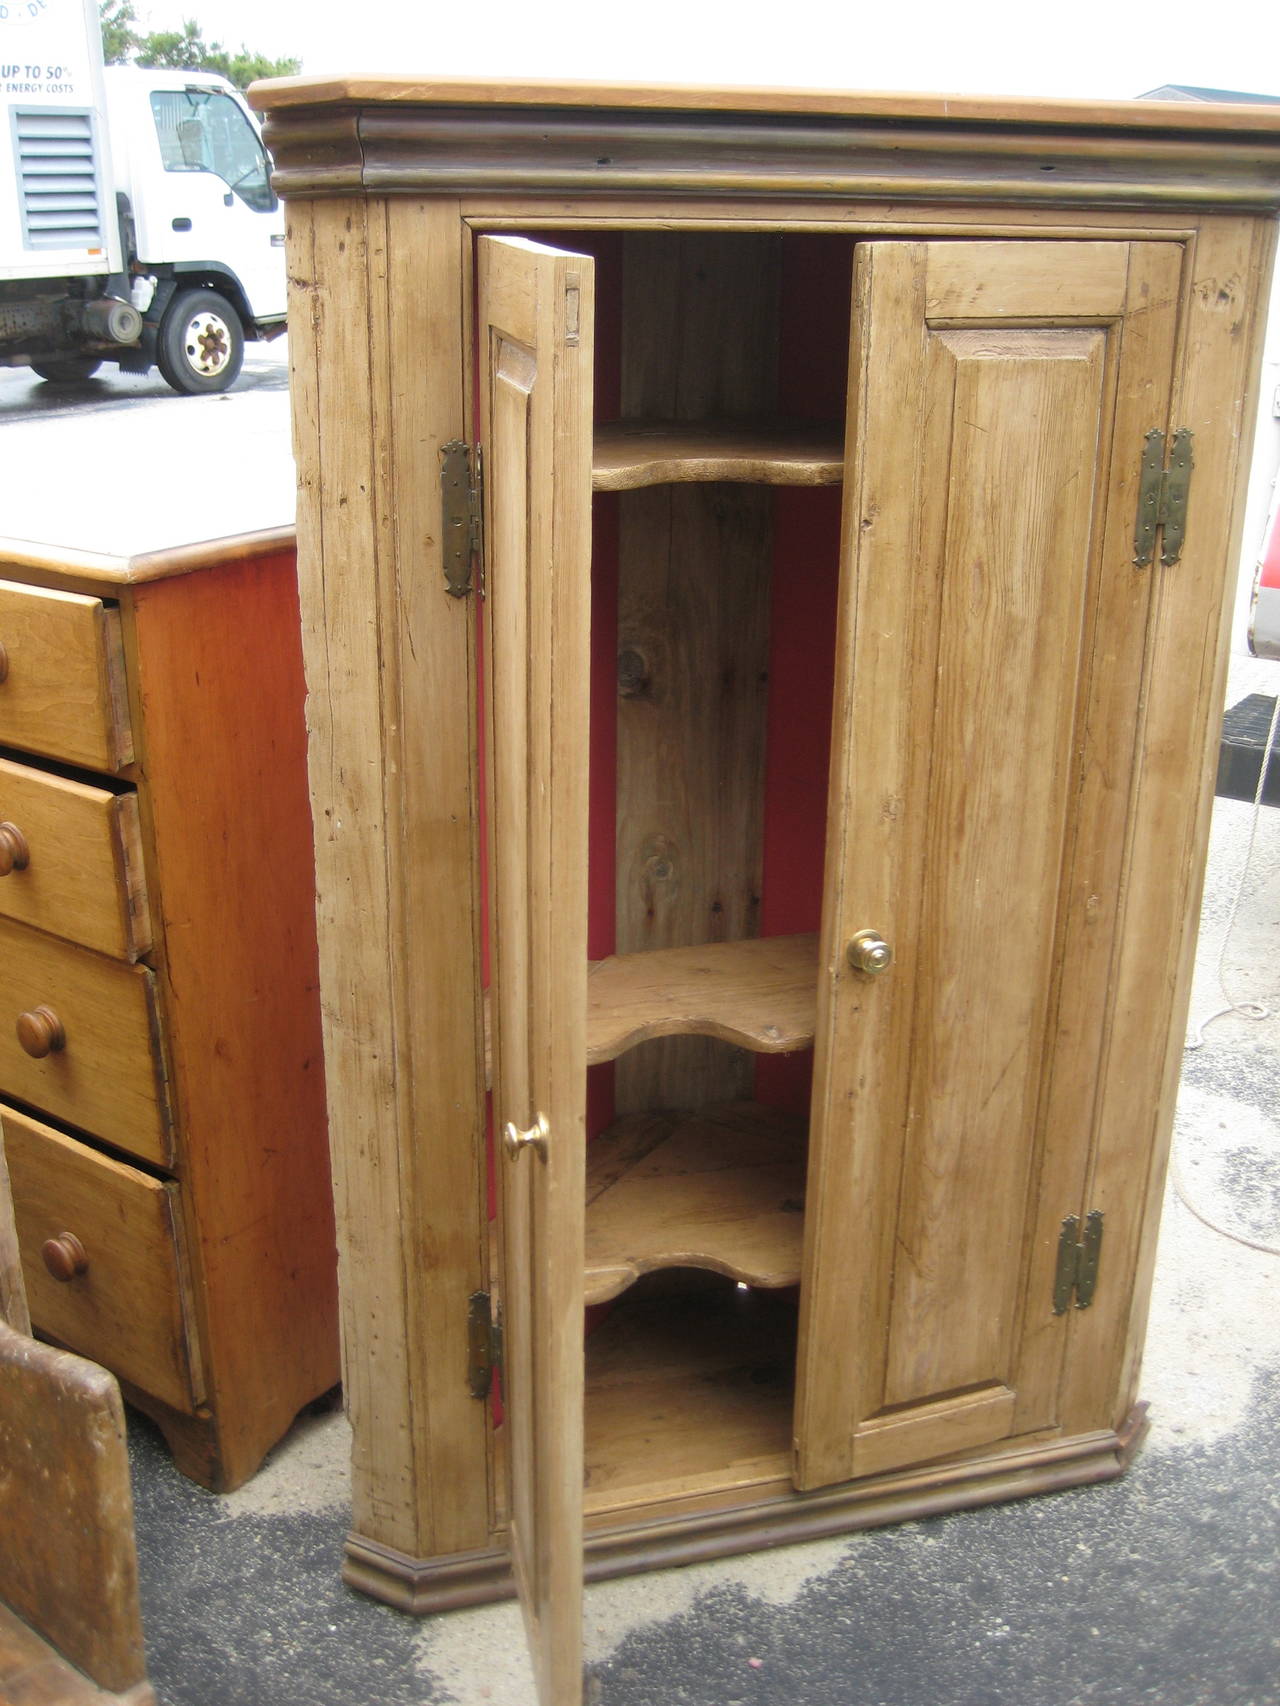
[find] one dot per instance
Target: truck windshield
(203, 130)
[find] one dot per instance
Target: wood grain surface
(132, 1302)
(949, 832)
(630, 454)
(1003, 111)
(68, 1566)
(85, 879)
(699, 341)
(759, 994)
(722, 1190)
(688, 1394)
(62, 692)
(13, 1291)
(536, 332)
(229, 837)
(108, 1078)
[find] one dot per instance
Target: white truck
(137, 220)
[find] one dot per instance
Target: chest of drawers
(161, 1085)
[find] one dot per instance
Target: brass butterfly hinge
(461, 517)
(484, 1343)
(1077, 1269)
(1162, 497)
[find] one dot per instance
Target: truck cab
(201, 220)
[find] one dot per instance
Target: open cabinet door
(990, 666)
(535, 320)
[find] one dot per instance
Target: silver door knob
(870, 953)
(515, 1140)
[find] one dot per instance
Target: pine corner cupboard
(763, 562)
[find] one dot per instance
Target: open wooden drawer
(102, 1258)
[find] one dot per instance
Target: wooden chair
(70, 1622)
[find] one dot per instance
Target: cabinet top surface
(162, 484)
(369, 89)
(70, 569)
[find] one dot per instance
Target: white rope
(1245, 1009)
(1184, 1197)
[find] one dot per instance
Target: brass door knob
(41, 1032)
(515, 1141)
(65, 1257)
(15, 855)
(870, 953)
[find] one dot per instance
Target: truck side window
(203, 130)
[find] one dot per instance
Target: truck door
(200, 186)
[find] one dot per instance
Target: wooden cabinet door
(535, 330)
(990, 660)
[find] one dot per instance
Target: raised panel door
(535, 328)
(990, 657)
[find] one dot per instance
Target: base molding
(629, 1544)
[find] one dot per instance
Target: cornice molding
(393, 148)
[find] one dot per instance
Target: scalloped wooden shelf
(759, 994)
(628, 454)
(722, 1189)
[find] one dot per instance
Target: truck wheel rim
(206, 344)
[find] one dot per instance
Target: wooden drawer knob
(64, 1256)
(41, 1032)
(15, 855)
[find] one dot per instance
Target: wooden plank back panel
(699, 342)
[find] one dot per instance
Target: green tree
(120, 40)
(181, 50)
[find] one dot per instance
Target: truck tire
(201, 343)
(67, 369)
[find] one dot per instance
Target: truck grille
(58, 186)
